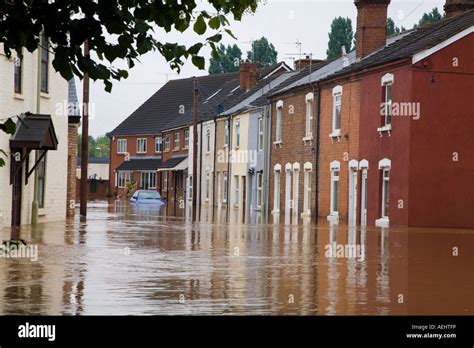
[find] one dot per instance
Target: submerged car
(147, 197)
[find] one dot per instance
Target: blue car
(147, 197)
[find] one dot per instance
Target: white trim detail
(335, 165)
(277, 167)
(382, 222)
(337, 90)
(387, 79)
(288, 167)
(364, 164)
(385, 163)
(426, 53)
(279, 104)
(308, 166)
(296, 166)
(353, 164)
(309, 96)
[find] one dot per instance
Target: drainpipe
(318, 144)
(214, 171)
(229, 176)
(200, 172)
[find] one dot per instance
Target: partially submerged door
(16, 189)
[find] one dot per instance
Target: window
(186, 139)
(387, 85)
(276, 195)
(260, 134)
(176, 142)
(165, 181)
(18, 72)
(167, 142)
(237, 190)
(44, 64)
(207, 186)
(308, 167)
(224, 195)
(208, 140)
(190, 187)
(148, 180)
(141, 145)
(336, 111)
(259, 189)
(159, 144)
(122, 179)
(279, 121)
(385, 191)
(41, 179)
(226, 133)
(237, 133)
(335, 167)
(121, 146)
(309, 115)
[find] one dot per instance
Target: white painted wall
(56, 166)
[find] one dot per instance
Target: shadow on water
(138, 260)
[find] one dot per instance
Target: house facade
(18, 95)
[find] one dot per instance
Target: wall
(53, 103)
(71, 169)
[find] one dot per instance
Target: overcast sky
(282, 22)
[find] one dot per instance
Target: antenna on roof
(166, 74)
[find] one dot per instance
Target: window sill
(45, 95)
(186, 148)
(333, 218)
(122, 153)
(141, 153)
(174, 150)
(277, 143)
(336, 134)
(382, 222)
(224, 202)
(18, 96)
(387, 128)
(236, 205)
(308, 138)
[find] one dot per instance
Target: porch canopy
(33, 132)
(140, 164)
(175, 164)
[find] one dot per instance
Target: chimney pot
(248, 75)
(456, 7)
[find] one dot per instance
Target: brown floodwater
(128, 260)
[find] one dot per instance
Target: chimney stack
(305, 62)
(456, 7)
(371, 31)
(248, 75)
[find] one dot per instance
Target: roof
(149, 164)
(35, 132)
(171, 106)
(413, 42)
(94, 160)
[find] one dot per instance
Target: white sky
(282, 22)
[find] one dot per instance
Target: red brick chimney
(248, 75)
(371, 31)
(303, 63)
(457, 7)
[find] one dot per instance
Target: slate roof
(35, 131)
(93, 160)
(151, 164)
(415, 41)
(171, 106)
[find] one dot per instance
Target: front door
(363, 200)
(244, 198)
(16, 190)
(352, 197)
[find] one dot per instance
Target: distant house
(40, 142)
(98, 171)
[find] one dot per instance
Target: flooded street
(127, 260)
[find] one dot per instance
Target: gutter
(214, 171)
(200, 174)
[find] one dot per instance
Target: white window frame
(208, 186)
(190, 187)
(150, 179)
(121, 143)
(186, 139)
(279, 122)
(237, 190)
(122, 178)
(259, 196)
(385, 166)
(226, 133)
(225, 188)
(165, 181)
(309, 117)
(260, 134)
(335, 168)
(386, 83)
(158, 144)
(237, 134)
(167, 143)
(306, 215)
(296, 186)
(141, 145)
(336, 103)
(276, 191)
(176, 141)
(208, 141)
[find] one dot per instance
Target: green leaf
(199, 62)
(228, 31)
(9, 126)
(200, 25)
(194, 49)
(215, 38)
(214, 23)
(2, 162)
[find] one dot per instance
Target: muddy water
(125, 260)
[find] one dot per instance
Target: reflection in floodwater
(138, 260)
